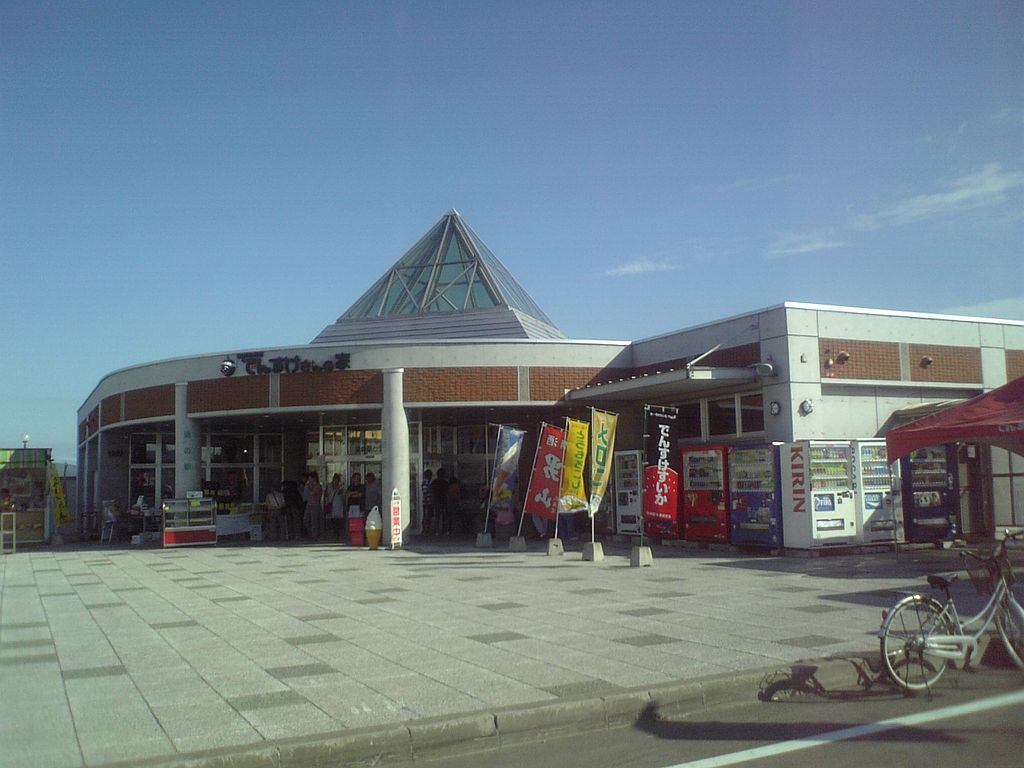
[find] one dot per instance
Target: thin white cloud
(986, 188)
(794, 245)
(1004, 309)
(755, 182)
(641, 267)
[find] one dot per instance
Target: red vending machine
(705, 494)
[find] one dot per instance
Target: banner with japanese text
(661, 472)
(572, 496)
(602, 448)
(506, 472)
(546, 477)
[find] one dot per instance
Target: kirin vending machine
(755, 501)
(931, 495)
(705, 494)
(873, 484)
(818, 507)
(628, 489)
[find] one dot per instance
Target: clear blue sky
(188, 177)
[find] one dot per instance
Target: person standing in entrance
(427, 518)
(373, 495)
(334, 505)
(439, 501)
(313, 517)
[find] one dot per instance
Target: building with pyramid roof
(446, 345)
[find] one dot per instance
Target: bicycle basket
(983, 572)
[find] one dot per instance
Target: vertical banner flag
(506, 471)
(572, 496)
(602, 448)
(545, 480)
(661, 472)
(63, 514)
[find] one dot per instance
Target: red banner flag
(542, 495)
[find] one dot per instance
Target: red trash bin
(355, 532)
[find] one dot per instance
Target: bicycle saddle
(940, 582)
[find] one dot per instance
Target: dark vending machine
(705, 494)
(931, 494)
(755, 503)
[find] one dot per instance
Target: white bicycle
(921, 636)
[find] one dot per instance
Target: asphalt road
(970, 719)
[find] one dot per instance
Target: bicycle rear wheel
(905, 655)
(1010, 623)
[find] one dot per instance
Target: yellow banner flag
(601, 451)
(572, 496)
(61, 511)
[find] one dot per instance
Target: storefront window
(722, 416)
(231, 449)
(270, 449)
(689, 420)
(143, 449)
(364, 442)
(752, 413)
(167, 450)
(472, 439)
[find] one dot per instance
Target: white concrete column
(188, 463)
(395, 439)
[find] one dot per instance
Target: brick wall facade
(228, 394)
(878, 360)
(476, 384)
(149, 402)
(1014, 364)
(110, 410)
(959, 364)
(330, 388)
(551, 383)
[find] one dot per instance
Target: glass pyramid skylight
(448, 270)
(448, 285)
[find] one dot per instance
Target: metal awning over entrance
(684, 383)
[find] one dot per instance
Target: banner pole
(643, 473)
(533, 467)
(490, 484)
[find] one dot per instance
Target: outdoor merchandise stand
(190, 521)
(24, 472)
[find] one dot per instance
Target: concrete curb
(487, 731)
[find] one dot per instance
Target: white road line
(784, 747)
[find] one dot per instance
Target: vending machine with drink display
(628, 490)
(705, 494)
(755, 501)
(818, 508)
(873, 486)
(931, 496)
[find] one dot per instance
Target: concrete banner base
(593, 551)
(555, 547)
(640, 557)
(517, 544)
(483, 540)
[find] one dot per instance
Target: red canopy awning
(995, 418)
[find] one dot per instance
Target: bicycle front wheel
(908, 661)
(1010, 623)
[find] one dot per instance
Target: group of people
(442, 496)
(313, 512)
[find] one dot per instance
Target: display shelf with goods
(188, 522)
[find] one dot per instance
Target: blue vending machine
(755, 497)
(931, 494)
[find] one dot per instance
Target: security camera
(227, 367)
(764, 369)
